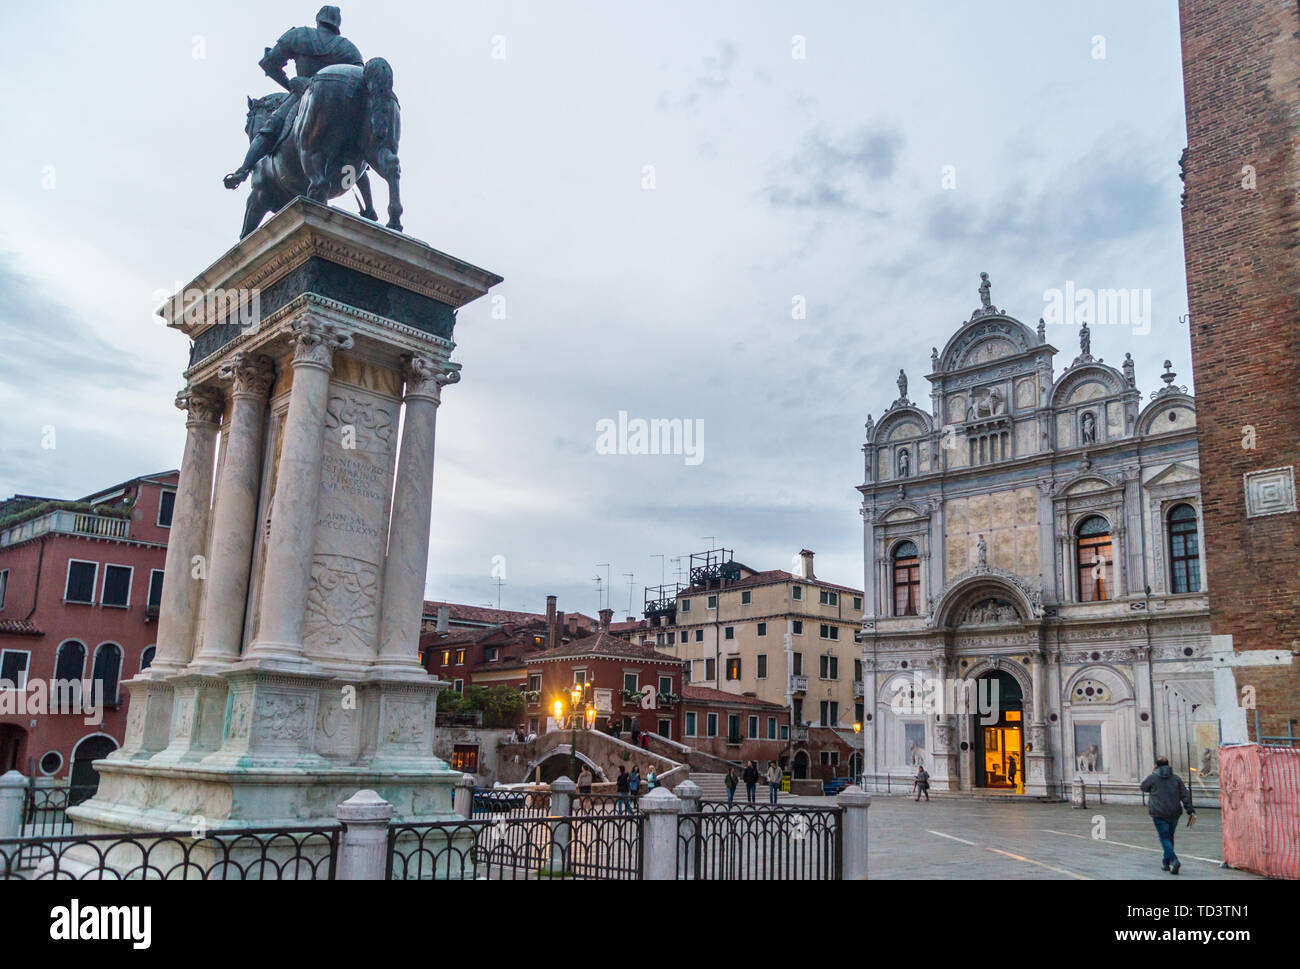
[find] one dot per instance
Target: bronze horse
(349, 120)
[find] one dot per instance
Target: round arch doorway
(1000, 743)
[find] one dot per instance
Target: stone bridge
(599, 751)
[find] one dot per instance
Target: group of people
(630, 784)
(751, 777)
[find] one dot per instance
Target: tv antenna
(601, 603)
(630, 582)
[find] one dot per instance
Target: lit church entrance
(1000, 745)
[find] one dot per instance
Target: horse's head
(260, 109)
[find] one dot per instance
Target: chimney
(552, 632)
(806, 564)
(444, 618)
(605, 616)
(561, 628)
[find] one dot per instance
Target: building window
(796, 663)
(830, 632)
(857, 670)
(798, 627)
(733, 728)
(733, 668)
(711, 724)
(580, 677)
(446, 657)
(753, 728)
(464, 757)
(460, 657)
(1184, 550)
(108, 670)
(829, 598)
(710, 669)
(699, 635)
(665, 729)
(146, 657)
(771, 728)
(686, 605)
(760, 663)
(491, 653)
(81, 582)
(166, 505)
(728, 632)
(534, 682)
(117, 586)
(858, 710)
(762, 629)
(4, 586)
(70, 661)
(672, 638)
(13, 668)
(785, 732)
(797, 593)
(857, 603)
(458, 686)
(690, 724)
(712, 603)
(1095, 559)
(155, 591)
(666, 685)
(51, 763)
(630, 683)
(907, 579)
(830, 713)
(830, 667)
(830, 758)
(746, 597)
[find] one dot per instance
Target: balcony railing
(799, 734)
(67, 522)
(857, 689)
(798, 684)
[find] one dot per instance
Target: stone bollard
(12, 786)
(855, 802)
(363, 851)
(562, 791)
(660, 810)
(462, 798)
(688, 845)
(1078, 794)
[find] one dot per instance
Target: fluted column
(234, 515)
(408, 542)
(188, 537)
(287, 574)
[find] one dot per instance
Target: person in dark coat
(622, 786)
(750, 777)
(730, 781)
(1167, 797)
(1011, 771)
(922, 782)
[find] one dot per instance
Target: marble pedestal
(286, 676)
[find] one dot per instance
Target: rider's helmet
(330, 17)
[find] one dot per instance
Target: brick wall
(1241, 77)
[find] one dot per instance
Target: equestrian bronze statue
(338, 119)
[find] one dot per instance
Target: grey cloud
(839, 173)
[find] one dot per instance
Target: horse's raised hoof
(235, 179)
(395, 225)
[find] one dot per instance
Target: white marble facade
(1020, 525)
(287, 675)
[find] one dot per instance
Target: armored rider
(310, 49)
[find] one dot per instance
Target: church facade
(1035, 604)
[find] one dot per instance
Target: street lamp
(862, 765)
(576, 696)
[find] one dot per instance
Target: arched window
(108, 670)
(1184, 550)
(1096, 559)
(907, 579)
(146, 657)
(70, 663)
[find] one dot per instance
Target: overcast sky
(775, 177)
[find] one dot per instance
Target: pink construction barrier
(1259, 791)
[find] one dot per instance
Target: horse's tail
(377, 76)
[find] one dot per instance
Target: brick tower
(1241, 234)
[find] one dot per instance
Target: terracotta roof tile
(707, 694)
(19, 627)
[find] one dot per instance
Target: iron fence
(244, 854)
(728, 842)
(489, 802)
(601, 847)
(45, 808)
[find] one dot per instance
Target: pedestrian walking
(1011, 771)
(730, 781)
(621, 786)
(751, 780)
(1167, 797)
(773, 780)
(922, 782)
(634, 783)
(584, 780)
(651, 780)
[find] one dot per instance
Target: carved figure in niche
(915, 754)
(1006, 614)
(1089, 427)
(982, 552)
(1086, 761)
(989, 404)
(904, 463)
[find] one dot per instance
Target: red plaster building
(1241, 237)
(80, 584)
(734, 727)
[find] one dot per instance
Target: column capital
(425, 377)
(314, 344)
(202, 405)
(251, 373)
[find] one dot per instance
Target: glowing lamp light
(576, 694)
(857, 727)
(559, 709)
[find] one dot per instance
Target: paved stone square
(955, 838)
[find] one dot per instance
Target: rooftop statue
(338, 118)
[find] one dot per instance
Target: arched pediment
(1155, 417)
(964, 597)
(1097, 684)
(903, 511)
(1086, 483)
(905, 422)
(1087, 381)
(1004, 335)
